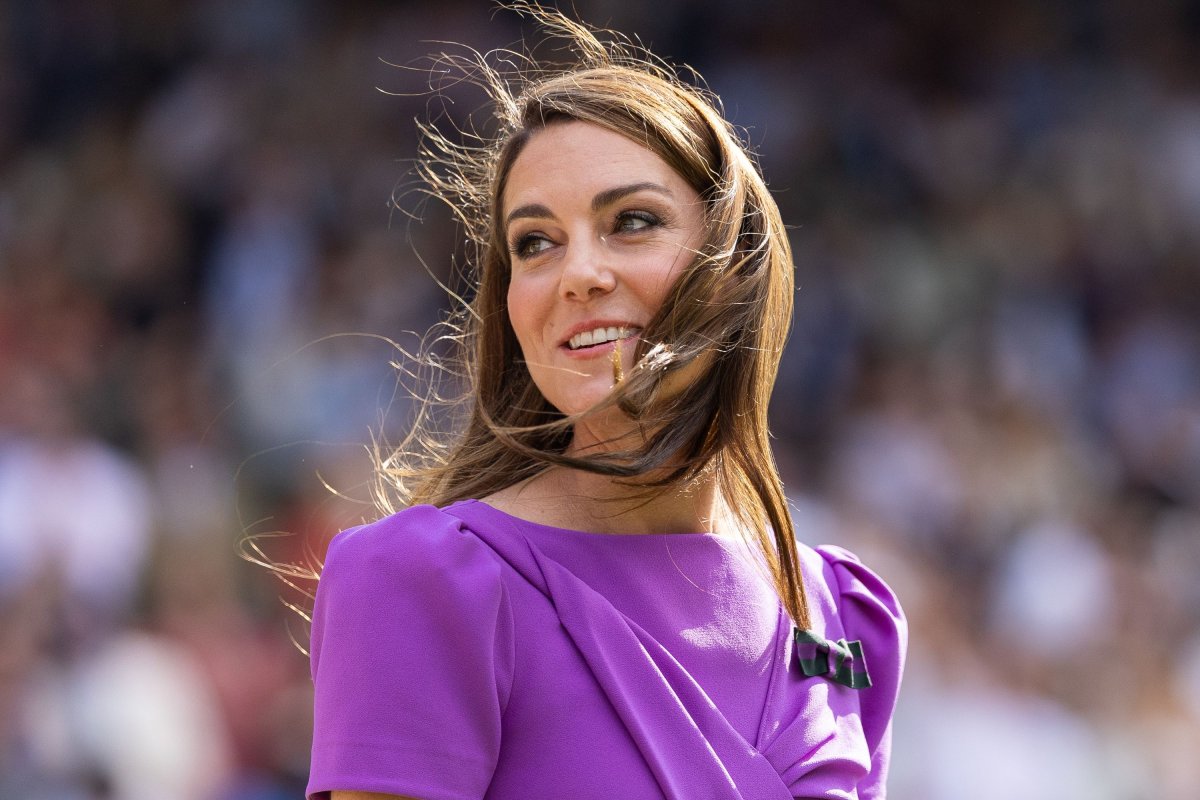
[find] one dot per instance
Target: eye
(529, 245)
(634, 221)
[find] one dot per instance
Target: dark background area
(992, 392)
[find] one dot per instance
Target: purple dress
(464, 653)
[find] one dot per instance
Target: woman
(595, 590)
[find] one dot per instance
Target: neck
(568, 498)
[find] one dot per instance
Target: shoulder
(418, 572)
(420, 543)
(849, 582)
(391, 536)
(850, 600)
(416, 575)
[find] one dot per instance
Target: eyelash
(651, 220)
(520, 246)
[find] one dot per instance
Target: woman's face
(598, 229)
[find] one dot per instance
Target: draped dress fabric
(464, 653)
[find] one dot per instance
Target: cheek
(658, 276)
(520, 314)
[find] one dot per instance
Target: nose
(586, 273)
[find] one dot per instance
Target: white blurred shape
(1054, 588)
(147, 716)
(80, 505)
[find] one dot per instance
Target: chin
(578, 396)
(583, 406)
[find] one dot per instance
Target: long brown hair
(732, 306)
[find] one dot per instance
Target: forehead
(577, 158)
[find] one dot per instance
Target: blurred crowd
(212, 256)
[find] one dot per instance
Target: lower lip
(600, 349)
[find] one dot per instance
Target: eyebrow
(602, 199)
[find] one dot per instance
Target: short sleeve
(411, 657)
(871, 614)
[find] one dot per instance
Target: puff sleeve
(411, 657)
(870, 612)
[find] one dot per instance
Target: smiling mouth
(599, 336)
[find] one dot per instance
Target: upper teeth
(597, 336)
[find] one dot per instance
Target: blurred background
(992, 391)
